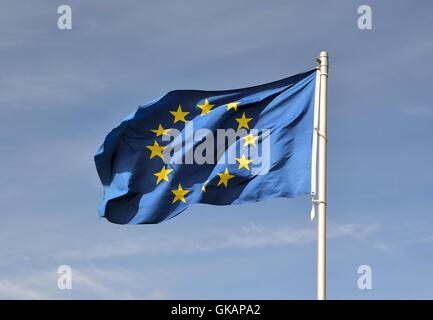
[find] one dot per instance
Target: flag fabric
(212, 147)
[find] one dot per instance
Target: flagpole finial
(323, 63)
(322, 59)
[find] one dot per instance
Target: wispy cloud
(70, 86)
(419, 110)
(158, 294)
(13, 290)
(360, 233)
(247, 237)
(120, 283)
(95, 283)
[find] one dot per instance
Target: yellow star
(225, 177)
(203, 188)
(179, 115)
(250, 139)
(156, 150)
(244, 162)
(232, 105)
(162, 175)
(243, 121)
(160, 131)
(179, 194)
(206, 107)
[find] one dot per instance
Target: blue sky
(62, 91)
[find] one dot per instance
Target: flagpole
(321, 190)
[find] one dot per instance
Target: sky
(61, 92)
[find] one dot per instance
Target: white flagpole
(321, 190)
(314, 146)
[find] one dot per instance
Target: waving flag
(213, 147)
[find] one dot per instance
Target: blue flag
(214, 147)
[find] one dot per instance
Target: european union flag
(214, 147)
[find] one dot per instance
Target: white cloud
(358, 232)
(247, 237)
(120, 283)
(88, 282)
(158, 294)
(419, 110)
(70, 86)
(12, 290)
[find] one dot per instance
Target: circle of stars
(179, 115)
